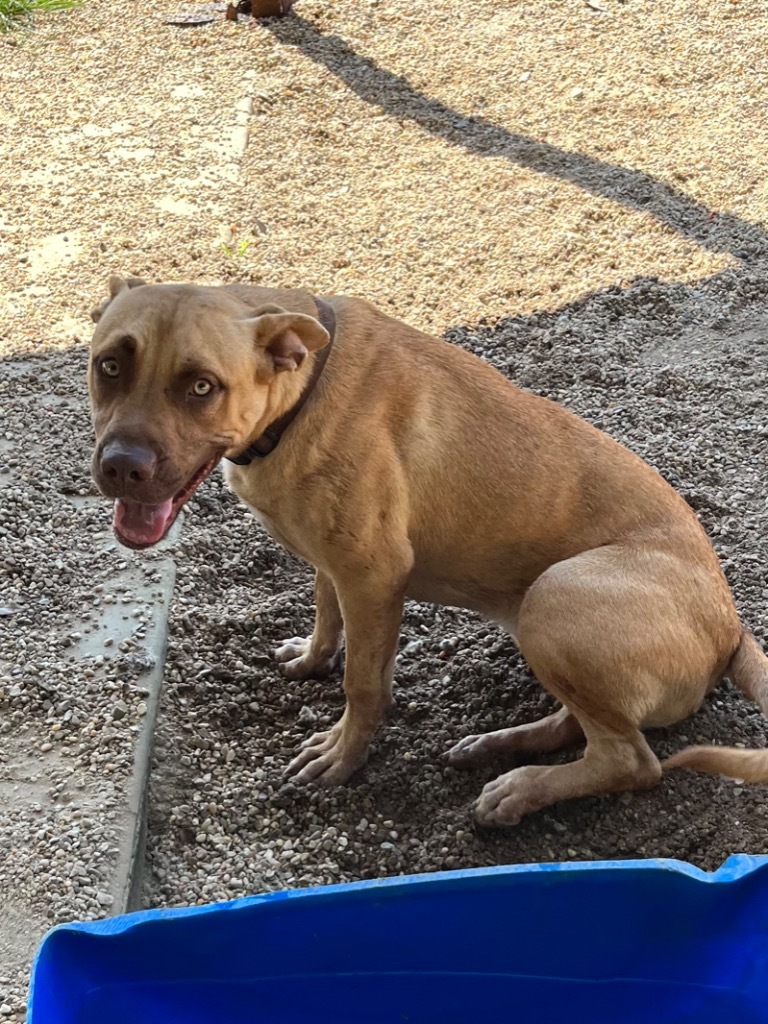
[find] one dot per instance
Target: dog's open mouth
(140, 526)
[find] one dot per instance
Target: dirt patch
(447, 160)
(678, 375)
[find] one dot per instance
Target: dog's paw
(506, 800)
(327, 758)
(297, 661)
(469, 751)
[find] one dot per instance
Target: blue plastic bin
(633, 942)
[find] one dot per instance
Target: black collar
(267, 442)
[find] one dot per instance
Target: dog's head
(179, 376)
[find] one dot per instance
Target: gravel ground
(454, 163)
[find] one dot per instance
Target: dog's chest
(242, 485)
(276, 534)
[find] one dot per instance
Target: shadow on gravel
(630, 188)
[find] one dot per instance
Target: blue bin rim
(737, 866)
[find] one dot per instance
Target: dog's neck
(294, 393)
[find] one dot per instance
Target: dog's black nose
(126, 464)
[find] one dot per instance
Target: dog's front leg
(372, 614)
(314, 656)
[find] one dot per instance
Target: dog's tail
(748, 669)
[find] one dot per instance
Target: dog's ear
(116, 285)
(287, 337)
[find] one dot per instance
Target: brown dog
(403, 467)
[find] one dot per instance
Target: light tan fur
(417, 471)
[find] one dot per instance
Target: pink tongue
(141, 524)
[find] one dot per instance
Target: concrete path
(69, 828)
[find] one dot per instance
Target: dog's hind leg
(554, 732)
(625, 637)
(314, 657)
(612, 762)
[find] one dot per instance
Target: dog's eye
(110, 368)
(202, 387)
